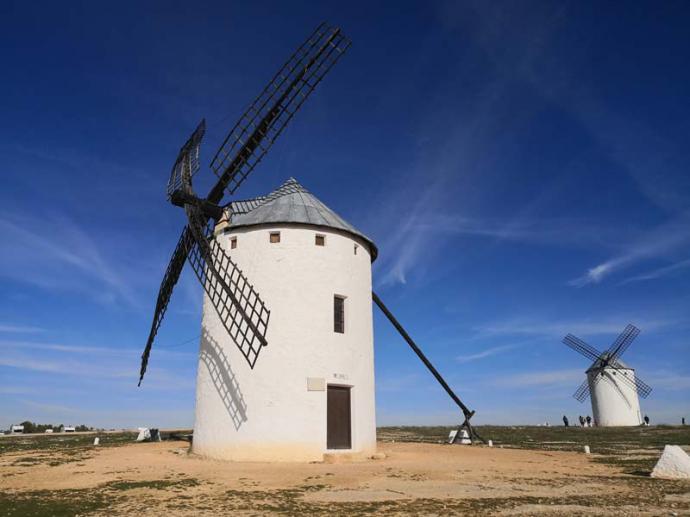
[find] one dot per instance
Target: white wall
(267, 414)
(614, 402)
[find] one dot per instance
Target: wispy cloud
(669, 380)
(120, 351)
(117, 372)
(62, 256)
(397, 383)
(52, 408)
(541, 378)
(553, 328)
(659, 273)
(662, 240)
(405, 243)
(568, 232)
(485, 353)
(424, 227)
(19, 329)
(654, 164)
(66, 366)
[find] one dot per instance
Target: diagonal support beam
(465, 410)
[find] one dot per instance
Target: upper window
(320, 240)
(233, 243)
(339, 314)
(274, 237)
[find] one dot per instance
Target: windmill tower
(312, 391)
(611, 384)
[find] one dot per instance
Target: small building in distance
(16, 429)
(68, 429)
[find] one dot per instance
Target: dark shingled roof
(291, 203)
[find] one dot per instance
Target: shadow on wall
(223, 378)
(612, 381)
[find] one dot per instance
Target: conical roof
(291, 203)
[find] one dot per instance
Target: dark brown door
(338, 433)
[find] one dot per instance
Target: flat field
(529, 471)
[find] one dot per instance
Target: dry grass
(539, 471)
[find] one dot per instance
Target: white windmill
(313, 389)
(611, 384)
(312, 392)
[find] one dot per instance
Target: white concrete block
(587, 451)
(673, 464)
(144, 434)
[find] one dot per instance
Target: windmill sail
(580, 346)
(236, 302)
(261, 124)
(187, 159)
(238, 305)
(608, 359)
(621, 344)
(172, 274)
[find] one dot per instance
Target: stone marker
(586, 449)
(491, 443)
(96, 441)
(673, 464)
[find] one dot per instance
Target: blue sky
(523, 168)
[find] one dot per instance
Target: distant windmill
(313, 390)
(611, 384)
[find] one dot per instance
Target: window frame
(339, 315)
(233, 242)
(322, 237)
(272, 235)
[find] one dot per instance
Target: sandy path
(408, 471)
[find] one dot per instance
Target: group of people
(585, 421)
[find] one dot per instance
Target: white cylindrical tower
(614, 401)
(312, 389)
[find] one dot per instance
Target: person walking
(589, 421)
(682, 421)
(646, 420)
(565, 420)
(582, 421)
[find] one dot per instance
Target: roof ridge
(291, 203)
(289, 186)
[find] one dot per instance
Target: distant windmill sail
(608, 360)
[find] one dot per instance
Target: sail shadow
(224, 379)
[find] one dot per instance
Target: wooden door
(339, 431)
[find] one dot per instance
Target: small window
(274, 237)
(320, 240)
(356, 249)
(233, 243)
(339, 314)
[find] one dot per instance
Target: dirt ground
(413, 478)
